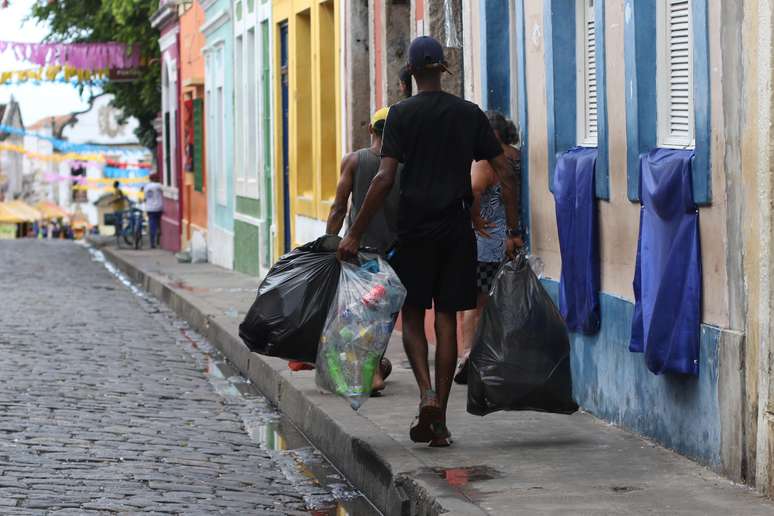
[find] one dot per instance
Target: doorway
(284, 86)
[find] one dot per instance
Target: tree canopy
(123, 21)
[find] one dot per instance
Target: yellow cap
(379, 115)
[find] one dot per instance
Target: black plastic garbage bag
(287, 318)
(521, 356)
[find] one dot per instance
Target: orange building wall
(192, 80)
(191, 43)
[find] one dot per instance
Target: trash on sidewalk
(521, 355)
(358, 328)
(287, 318)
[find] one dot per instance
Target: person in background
(406, 88)
(120, 204)
(154, 206)
(55, 229)
(437, 136)
(489, 221)
(357, 171)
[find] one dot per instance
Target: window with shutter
(675, 74)
(587, 74)
(198, 144)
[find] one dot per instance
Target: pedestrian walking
(357, 171)
(154, 207)
(489, 221)
(120, 204)
(436, 136)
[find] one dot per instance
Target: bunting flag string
(129, 181)
(133, 167)
(120, 173)
(112, 171)
(82, 56)
(67, 156)
(121, 164)
(70, 147)
(56, 73)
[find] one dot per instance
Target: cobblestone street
(107, 405)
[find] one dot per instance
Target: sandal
(441, 436)
(386, 367)
(429, 415)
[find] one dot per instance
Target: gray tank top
(382, 232)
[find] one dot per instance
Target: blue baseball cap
(426, 52)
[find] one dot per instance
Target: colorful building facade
(219, 115)
(166, 20)
(254, 211)
(289, 86)
(193, 193)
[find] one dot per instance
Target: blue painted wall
(602, 168)
(640, 69)
(561, 101)
(224, 215)
(702, 182)
(680, 412)
(521, 74)
(497, 61)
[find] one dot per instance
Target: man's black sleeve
(392, 145)
(486, 144)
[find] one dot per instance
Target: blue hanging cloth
(667, 277)
(576, 219)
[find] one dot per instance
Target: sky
(36, 101)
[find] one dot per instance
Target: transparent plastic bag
(358, 328)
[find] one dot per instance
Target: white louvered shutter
(587, 76)
(676, 117)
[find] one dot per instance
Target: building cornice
(166, 13)
(217, 21)
(168, 39)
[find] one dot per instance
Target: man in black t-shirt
(436, 136)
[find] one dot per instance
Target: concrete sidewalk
(506, 463)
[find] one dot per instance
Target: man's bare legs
(430, 415)
(415, 345)
(445, 355)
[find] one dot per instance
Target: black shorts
(441, 271)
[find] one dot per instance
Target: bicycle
(129, 227)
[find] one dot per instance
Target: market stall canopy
(9, 216)
(51, 211)
(26, 211)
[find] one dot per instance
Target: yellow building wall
(314, 143)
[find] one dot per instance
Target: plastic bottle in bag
(358, 328)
